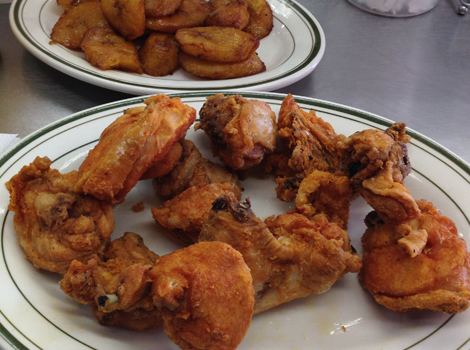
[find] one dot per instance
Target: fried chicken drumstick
(420, 263)
(131, 145)
(289, 256)
(54, 223)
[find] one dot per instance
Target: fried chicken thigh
(206, 296)
(192, 169)
(420, 263)
(289, 256)
(131, 145)
(242, 131)
(54, 223)
(186, 213)
(117, 286)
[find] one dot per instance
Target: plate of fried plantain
(146, 46)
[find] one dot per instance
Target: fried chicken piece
(289, 256)
(164, 166)
(127, 17)
(327, 193)
(118, 285)
(206, 296)
(367, 153)
(242, 131)
(54, 223)
(390, 199)
(131, 145)
(186, 213)
(160, 8)
(106, 50)
(192, 170)
(191, 13)
(75, 22)
(229, 13)
(418, 264)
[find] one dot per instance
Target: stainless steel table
(416, 70)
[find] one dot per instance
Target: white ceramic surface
(292, 50)
(35, 314)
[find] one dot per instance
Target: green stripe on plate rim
(305, 16)
(268, 96)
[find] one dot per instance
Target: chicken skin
(117, 286)
(186, 213)
(419, 264)
(192, 169)
(205, 294)
(241, 131)
(131, 145)
(289, 256)
(54, 223)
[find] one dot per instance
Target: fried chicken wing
(132, 144)
(164, 166)
(206, 296)
(420, 263)
(192, 170)
(186, 213)
(367, 153)
(54, 223)
(327, 193)
(289, 256)
(242, 131)
(117, 286)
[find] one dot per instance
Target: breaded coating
(389, 198)
(241, 131)
(192, 170)
(217, 44)
(54, 223)
(289, 256)
(214, 70)
(159, 54)
(419, 264)
(117, 286)
(228, 13)
(206, 296)
(327, 193)
(367, 153)
(71, 27)
(186, 213)
(191, 13)
(164, 166)
(261, 18)
(127, 17)
(132, 144)
(160, 8)
(106, 50)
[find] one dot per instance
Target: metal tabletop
(415, 70)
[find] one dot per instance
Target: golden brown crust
(106, 50)
(159, 54)
(212, 70)
(126, 16)
(131, 144)
(261, 18)
(74, 23)
(166, 165)
(229, 13)
(54, 223)
(206, 295)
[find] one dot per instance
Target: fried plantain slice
(213, 70)
(106, 50)
(160, 8)
(217, 44)
(67, 4)
(74, 23)
(159, 54)
(261, 18)
(126, 16)
(191, 13)
(229, 13)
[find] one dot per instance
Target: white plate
(35, 314)
(292, 50)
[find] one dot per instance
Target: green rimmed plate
(292, 50)
(35, 314)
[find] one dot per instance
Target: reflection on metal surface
(343, 327)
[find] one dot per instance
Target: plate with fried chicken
(221, 220)
(145, 46)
